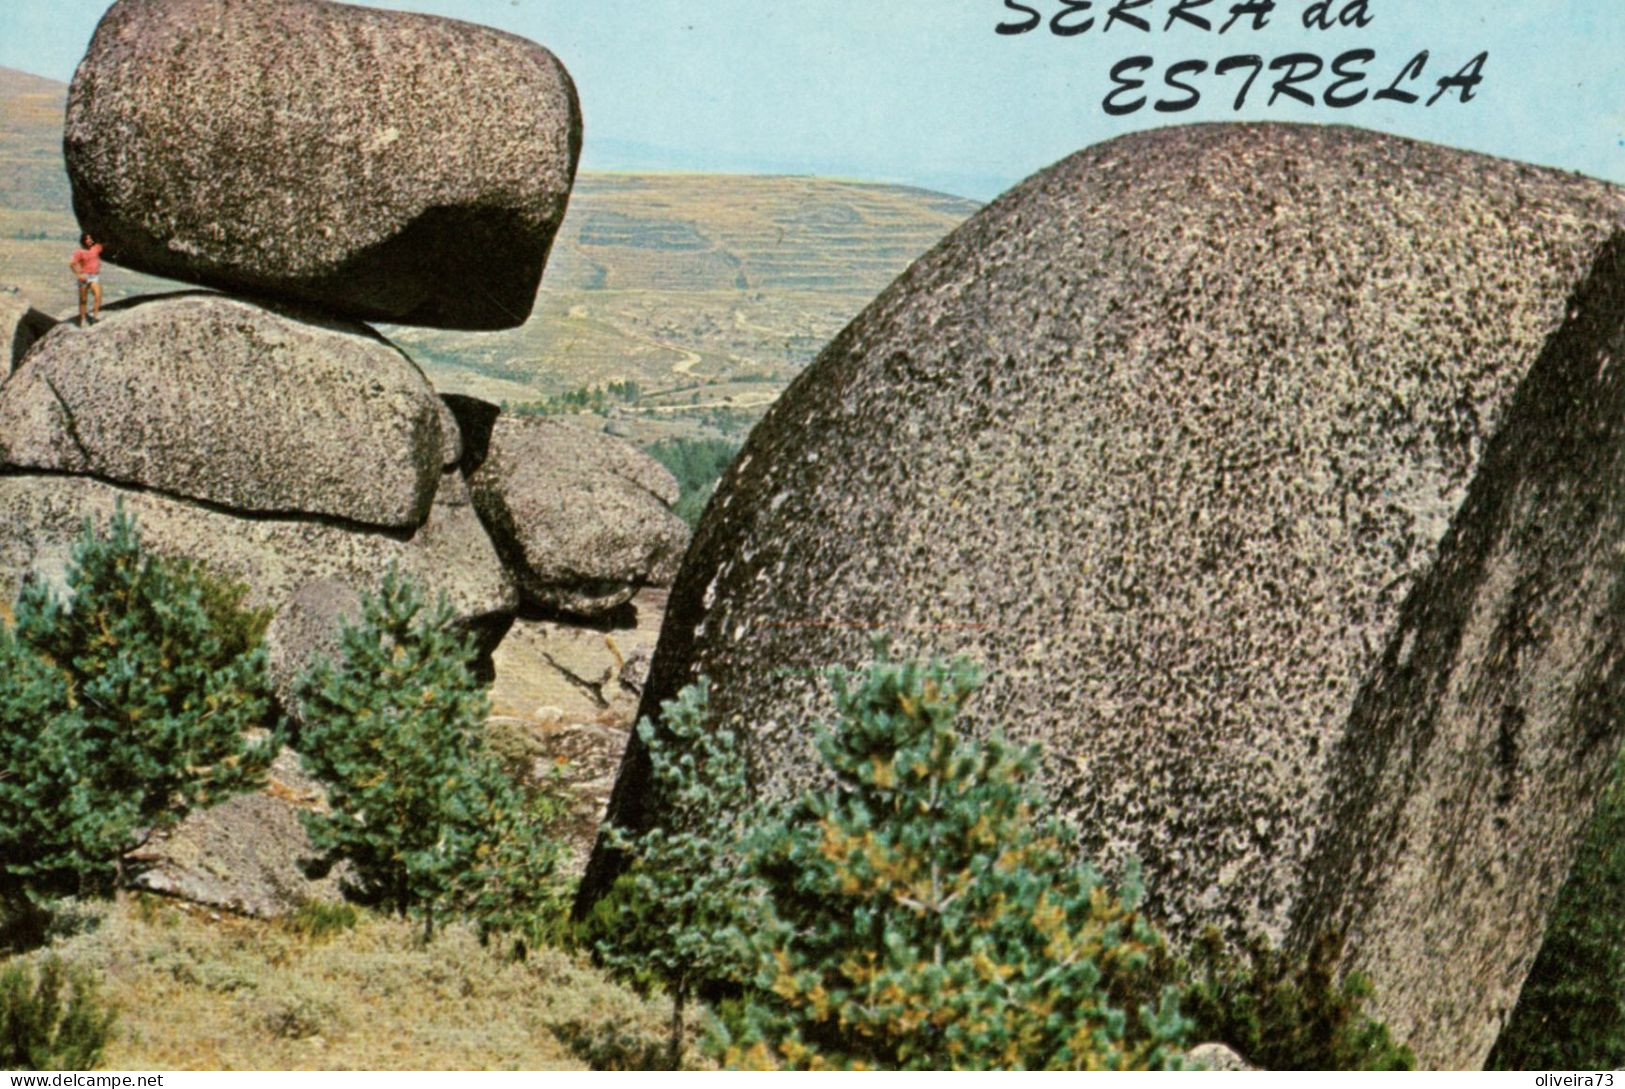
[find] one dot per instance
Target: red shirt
(87, 262)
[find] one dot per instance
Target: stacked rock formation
(326, 165)
(342, 164)
(1274, 473)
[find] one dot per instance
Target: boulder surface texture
(42, 516)
(211, 398)
(1274, 475)
(581, 519)
(384, 165)
(307, 630)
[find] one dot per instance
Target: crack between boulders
(193, 502)
(641, 486)
(596, 691)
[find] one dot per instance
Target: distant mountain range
(707, 290)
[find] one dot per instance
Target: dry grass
(197, 990)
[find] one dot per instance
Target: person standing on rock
(86, 264)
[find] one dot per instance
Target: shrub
(1571, 1012)
(1287, 1012)
(320, 920)
(674, 917)
(120, 709)
(297, 1012)
(424, 814)
(41, 1029)
(513, 887)
(913, 915)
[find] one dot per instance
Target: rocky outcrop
(387, 166)
(1273, 474)
(1217, 1057)
(245, 854)
(1486, 729)
(305, 630)
(42, 516)
(210, 398)
(581, 519)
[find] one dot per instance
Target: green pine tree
(122, 707)
(420, 809)
(1287, 1011)
(51, 1020)
(677, 914)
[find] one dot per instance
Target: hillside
(707, 291)
(30, 142)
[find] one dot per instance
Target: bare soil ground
(567, 694)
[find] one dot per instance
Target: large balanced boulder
(581, 519)
(42, 516)
(1274, 473)
(384, 165)
(221, 400)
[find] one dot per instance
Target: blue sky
(925, 92)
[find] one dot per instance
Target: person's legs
(84, 290)
(96, 287)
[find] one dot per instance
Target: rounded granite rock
(581, 519)
(383, 165)
(206, 397)
(1199, 441)
(41, 517)
(306, 630)
(21, 325)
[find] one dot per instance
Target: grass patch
(321, 920)
(197, 990)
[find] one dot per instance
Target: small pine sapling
(121, 708)
(426, 817)
(677, 914)
(922, 917)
